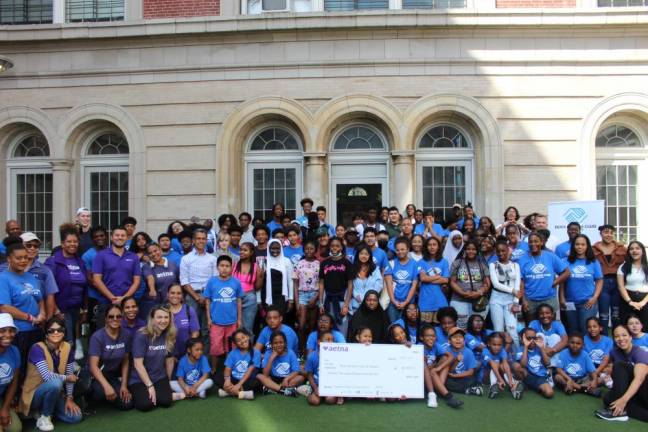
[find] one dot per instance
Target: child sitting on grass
(239, 379)
(312, 371)
(281, 371)
(575, 371)
(462, 369)
(598, 347)
(531, 363)
(497, 371)
(193, 373)
(435, 361)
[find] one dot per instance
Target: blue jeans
(609, 300)
(71, 319)
(49, 400)
(249, 311)
(393, 313)
(202, 319)
(577, 319)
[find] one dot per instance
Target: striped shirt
(196, 269)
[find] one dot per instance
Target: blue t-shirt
(598, 350)
(291, 337)
(431, 297)
(312, 365)
(174, 256)
(437, 228)
(476, 344)
(562, 250)
(88, 257)
(520, 251)
(23, 292)
(498, 358)
(311, 342)
(575, 367)
(403, 275)
(538, 273)
(581, 284)
(9, 362)
(412, 330)
(641, 342)
(223, 296)
(556, 328)
(192, 372)
(468, 362)
(432, 354)
(239, 363)
(442, 340)
(283, 365)
(535, 366)
(294, 254)
(380, 258)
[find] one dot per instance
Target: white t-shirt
(636, 280)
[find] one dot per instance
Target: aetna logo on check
(335, 348)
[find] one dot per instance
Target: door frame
(468, 163)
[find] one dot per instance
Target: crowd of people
(241, 304)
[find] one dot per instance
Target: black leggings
(97, 394)
(622, 375)
(163, 395)
(251, 384)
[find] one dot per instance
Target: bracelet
(149, 386)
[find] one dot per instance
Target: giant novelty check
(377, 370)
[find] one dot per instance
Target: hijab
(281, 264)
(450, 252)
(376, 320)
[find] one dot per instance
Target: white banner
(589, 214)
(376, 371)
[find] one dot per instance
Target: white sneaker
(44, 423)
(222, 393)
(432, 400)
(304, 390)
(78, 351)
(247, 395)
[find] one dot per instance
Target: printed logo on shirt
(579, 272)
(193, 376)
(460, 366)
(538, 269)
(295, 259)
(402, 274)
(597, 355)
(241, 366)
(430, 359)
(434, 271)
(28, 289)
(165, 274)
(6, 373)
(574, 369)
(534, 363)
(114, 346)
(517, 254)
(157, 347)
(282, 369)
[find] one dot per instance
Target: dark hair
(68, 229)
(133, 246)
(392, 208)
(224, 218)
(152, 244)
(491, 231)
(370, 230)
(576, 224)
(273, 308)
(198, 231)
(426, 253)
(170, 231)
(306, 200)
(55, 320)
(233, 229)
(470, 326)
(237, 267)
(626, 267)
(403, 240)
(542, 306)
(125, 299)
(223, 258)
(633, 315)
(391, 328)
(163, 235)
(320, 335)
(360, 329)
(596, 319)
(496, 335)
(256, 229)
(589, 252)
(320, 208)
(425, 327)
(623, 326)
(192, 342)
(463, 227)
(111, 307)
(118, 228)
(332, 239)
(527, 220)
(13, 243)
(247, 215)
(95, 230)
(129, 220)
(447, 311)
(575, 334)
(356, 260)
(276, 334)
(185, 234)
(241, 330)
(517, 213)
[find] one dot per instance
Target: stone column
(61, 191)
(58, 12)
(315, 178)
(402, 190)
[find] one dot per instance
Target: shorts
(219, 339)
(429, 317)
(534, 382)
(306, 296)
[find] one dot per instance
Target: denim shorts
(534, 382)
(306, 296)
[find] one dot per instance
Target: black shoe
(475, 390)
(289, 391)
(596, 393)
(451, 401)
(493, 392)
(608, 414)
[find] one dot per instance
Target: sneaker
(222, 393)
(493, 391)
(432, 400)
(304, 390)
(518, 390)
(44, 423)
(475, 391)
(452, 402)
(178, 396)
(267, 391)
(78, 351)
(247, 395)
(608, 414)
(289, 391)
(607, 379)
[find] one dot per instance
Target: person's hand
(344, 311)
(400, 305)
(540, 342)
(291, 305)
(635, 305)
(228, 386)
(501, 384)
(152, 395)
(71, 378)
(152, 294)
(312, 302)
(525, 341)
(5, 417)
(200, 300)
(549, 351)
(518, 294)
(116, 300)
(525, 306)
(237, 388)
(619, 406)
(321, 310)
(83, 318)
(569, 387)
(40, 318)
(562, 304)
(592, 386)
(284, 383)
(110, 393)
(590, 303)
(71, 408)
(124, 394)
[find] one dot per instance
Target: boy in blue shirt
(531, 363)
(462, 368)
(575, 371)
(274, 321)
(223, 303)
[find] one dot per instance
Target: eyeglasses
(56, 330)
(114, 317)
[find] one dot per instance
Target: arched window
(31, 185)
(445, 161)
(274, 170)
(105, 177)
(359, 137)
(620, 152)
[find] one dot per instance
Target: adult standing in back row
(116, 273)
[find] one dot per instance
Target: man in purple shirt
(116, 273)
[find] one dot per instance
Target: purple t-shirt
(186, 322)
(164, 275)
(636, 355)
(154, 353)
(116, 271)
(129, 331)
(110, 351)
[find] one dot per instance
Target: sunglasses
(114, 317)
(31, 246)
(56, 330)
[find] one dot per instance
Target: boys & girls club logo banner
(589, 214)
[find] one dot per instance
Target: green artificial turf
(282, 414)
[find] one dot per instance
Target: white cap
(29, 236)
(7, 321)
(82, 210)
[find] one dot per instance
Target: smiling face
(545, 315)
(535, 245)
(635, 327)
(364, 337)
(622, 338)
(495, 345)
(457, 341)
(364, 256)
(593, 329)
(457, 241)
(607, 235)
(503, 252)
(242, 341)
(174, 295)
(155, 253)
(131, 309)
(429, 337)
(32, 247)
(55, 333)
(635, 251)
(7, 336)
(18, 260)
(113, 318)
(398, 335)
(470, 251)
(84, 218)
(275, 249)
(401, 250)
(161, 320)
(278, 345)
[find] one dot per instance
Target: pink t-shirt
(307, 272)
(247, 280)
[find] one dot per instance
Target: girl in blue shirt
(532, 362)
(239, 379)
(324, 325)
(281, 371)
(434, 272)
(639, 338)
(476, 337)
(401, 278)
(552, 331)
(580, 292)
(598, 347)
(312, 372)
(497, 371)
(192, 373)
(10, 367)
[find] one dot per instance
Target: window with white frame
(621, 163)
(105, 178)
(445, 160)
(254, 7)
(359, 137)
(94, 10)
(26, 11)
(274, 163)
(30, 178)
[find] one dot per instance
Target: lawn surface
(281, 414)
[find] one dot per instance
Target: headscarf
(376, 320)
(281, 264)
(450, 252)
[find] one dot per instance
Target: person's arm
(568, 381)
(313, 383)
(183, 385)
(412, 292)
(268, 367)
(562, 288)
(598, 287)
(456, 288)
(98, 375)
(603, 365)
(134, 286)
(184, 279)
(150, 283)
(497, 285)
(494, 366)
(622, 288)
(443, 363)
(468, 373)
(10, 394)
(239, 312)
(348, 295)
(320, 283)
(562, 277)
(207, 311)
(524, 360)
(170, 365)
(102, 288)
(389, 284)
(640, 373)
(17, 313)
(124, 393)
(42, 314)
(50, 306)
